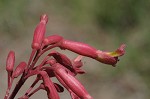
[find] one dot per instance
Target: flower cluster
(55, 64)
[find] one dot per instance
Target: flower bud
(52, 39)
(39, 32)
(71, 82)
(10, 61)
(19, 69)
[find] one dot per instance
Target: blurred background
(104, 24)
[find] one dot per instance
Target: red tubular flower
(10, 62)
(39, 32)
(86, 50)
(71, 82)
(49, 86)
(19, 69)
(110, 57)
(78, 47)
(60, 67)
(52, 39)
(9, 68)
(73, 95)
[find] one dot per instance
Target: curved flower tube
(71, 82)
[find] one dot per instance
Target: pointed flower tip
(121, 49)
(119, 52)
(111, 58)
(44, 18)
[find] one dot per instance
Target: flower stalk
(55, 64)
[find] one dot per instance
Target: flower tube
(71, 82)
